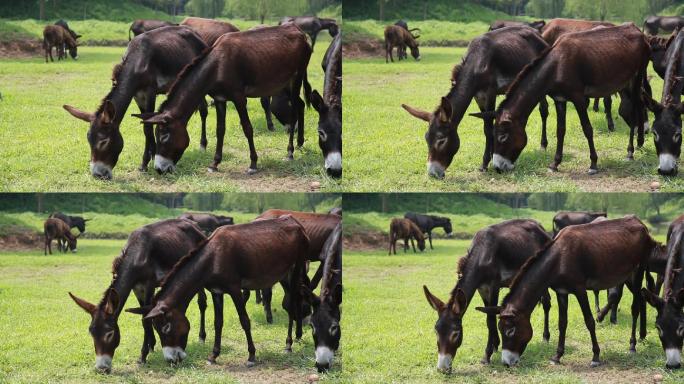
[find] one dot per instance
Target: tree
(41, 4)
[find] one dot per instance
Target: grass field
(386, 150)
(49, 150)
(49, 334)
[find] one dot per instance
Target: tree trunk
(41, 16)
(382, 9)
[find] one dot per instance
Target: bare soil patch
(21, 48)
(365, 241)
(359, 47)
(19, 239)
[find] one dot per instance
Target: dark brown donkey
(312, 25)
(490, 65)
(407, 230)
(245, 256)
(399, 37)
(495, 255)
(670, 316)
(207, 221)
(319, 227)
(255, 63)
(572, 263)
(58, 37)
(570, 71)
(141, 26)
(58, 229)
(667, 126)
(151, 62)
(498, 24)
(148, 255)
(667, 23)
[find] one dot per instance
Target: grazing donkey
(670, 316)
(402, 50)
(401, 38)
(141, 26)
(244, 256)
(667, 23)
(58, 229)
(616, 62)
(495, 255)
(73, 221)
(329, 108)
(152, 60)
(667, 126)
(312, 25)
(58, 37)
(492, 62)
(407, 230)
(427, 223)
(498, 24)
(239, 65)
(572, 263)
(150, 252)
(206, 221)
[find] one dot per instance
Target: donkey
(667, 23)
(399, 37)
(58, 37)
(62, 23)
(573, 263)
(311, 25)
(495, 255)
(329, 108)
(141, 26)
(58, 229)
(206, 221)
(245, 256)
(319, 227)
(670, 316)
(152, 60)
(233, 70)
(427, 223)
(616, 62)
(407, 230)
(660, 51)
(490, 65)
(558, 27)
(565, 218)
(667, 126)
(325, 320)
(498, 24)
(402, 50)
(73, 221)
(148, 255)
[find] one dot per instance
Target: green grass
(49, 334)
(386, 150)
(49, 150)
(389, 336)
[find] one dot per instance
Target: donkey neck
(183, 283)
(189, 90)
(526, 92)
(462, 92)
(530, 286)
(122, 94)
(123, 284)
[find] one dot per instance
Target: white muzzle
(502, 163)
(509, 358)
(163, 165)
(444, 362)
(174, 354)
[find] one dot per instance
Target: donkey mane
(175, 85)
(180, 263)
(116, 74)
(672, 80)
(525, 267)
(524, 72)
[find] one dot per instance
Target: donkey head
(670, 324)
(104, 137)
(442, 138)
(329, 134)
(172, 139)
(171, 325)
(103, 328)
(325, 325)
(448, 327)
(667, 134)
(510, 138)
(516, 332)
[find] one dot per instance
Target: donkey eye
(677, 136)
(109, 336)
(660, 330)
(164, 138)
(510, 332)
(102, 144)
(440, 142)
(322, 135)
(655, 135)
(680, 330)
(454, 336)
(313, 329)
(166, 329)
(502, 137)
(334, 329)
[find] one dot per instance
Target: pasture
(46, 335)
(385, 147)
(49, 150)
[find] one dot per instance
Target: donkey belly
(260, 282)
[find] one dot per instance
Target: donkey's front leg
(562, 326)
(202, 304)
(546, 304)
(560, 134)
(581, 107)
(220, 133)
(239, 302)
(241, 106)
(490, 296)
(591, 325)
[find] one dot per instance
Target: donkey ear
(317, 101)
(156, 311)
(423, 115)
(336, 294)
(151, 117)
(651, 104)
(484, 115)
(460, 302)
(655, 301)
(445, 110)
(112, 301)
(88, 307)
(680, 297)
(77, 113)
(435, 303)
(139, 311)
(489, 310)
(680, 108)
(108, 112)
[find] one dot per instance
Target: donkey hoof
(630, 156)
(142, 168)
(212, 169)
(553, 167)
(288, 349)
(202, 340)
(289, 157)
(250, 364)
(211, 360)
(595, 364)
(485, 361)
(203, 147)
(251, 171)
(592, 171)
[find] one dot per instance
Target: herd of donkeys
(197, 251)
(200, 57)
(585, 251)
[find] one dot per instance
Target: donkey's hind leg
(144, 297)
(490, 296)
(581, 107)
(236, 295)
(636, 305)
(591, 325)
(217, 299)
(204, 112)
(202, 304)
(562, 326)
(546, 305)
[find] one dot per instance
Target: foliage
(464, 11)
(122, 10)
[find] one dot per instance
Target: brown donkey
(570, 71)
(58, 37)
(255, 63)
(399, 37)
(407, 230)
(494, 257)
(150, 252)
(59, 230)
(245, 256)
(572, 263)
